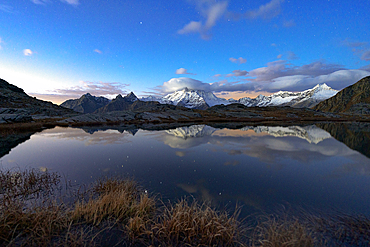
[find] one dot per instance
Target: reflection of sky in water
(226, 166)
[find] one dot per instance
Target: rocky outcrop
(86, 103)
(16, 106)
(128, 103)
(352, 99)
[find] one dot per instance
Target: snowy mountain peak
(200, 99)
(322, 86)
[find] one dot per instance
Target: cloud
(267, 11)
(239, 60)
(182, 71)
(212, 12)
(292, 55)
(367, 67)
(192, 27)
(238, 72)
(179, 83)
(366, 55)
(107, 89)
(353, 44)
(279, 56)
(282, 68)
(276, 76)
(40, 1)
(98, 51)
(71, 2)
(27, 52)
(6, 8)
(338, 80)
(361, 49)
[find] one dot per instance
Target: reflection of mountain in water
(311, 133)
(192, 131)
(120, 129)
(355, 135)
(10, 141)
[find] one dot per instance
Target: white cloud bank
(276, 76)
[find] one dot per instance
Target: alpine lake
(322, 167)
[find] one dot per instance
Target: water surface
(261, 168)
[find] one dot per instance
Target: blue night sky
(60, 49)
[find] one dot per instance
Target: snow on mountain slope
(284, 98)
(200, 99)
(192, 131)
(158, 99)
(188, 98)
(311, 134)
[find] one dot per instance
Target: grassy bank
(35, 212)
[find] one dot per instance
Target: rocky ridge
(352, 99)
(16, 106)
(86, 103)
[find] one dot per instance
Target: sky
(60, 49)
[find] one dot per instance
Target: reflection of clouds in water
(265, 147)
(43, 169)
(268, 149)
(180, 153)
(103, 137)
(232, 163)
(199, 189)
(202, 193)
(181, 143)
(357, 167)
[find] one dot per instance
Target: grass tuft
(282, 232)
(117, 211)
(196, 225)
(117, 200)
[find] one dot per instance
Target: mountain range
(199, 99)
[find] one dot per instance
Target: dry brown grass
(117, 200)
(343, 229)
(118, 211)
(282, 232)
(27, 184)
(194, 224)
